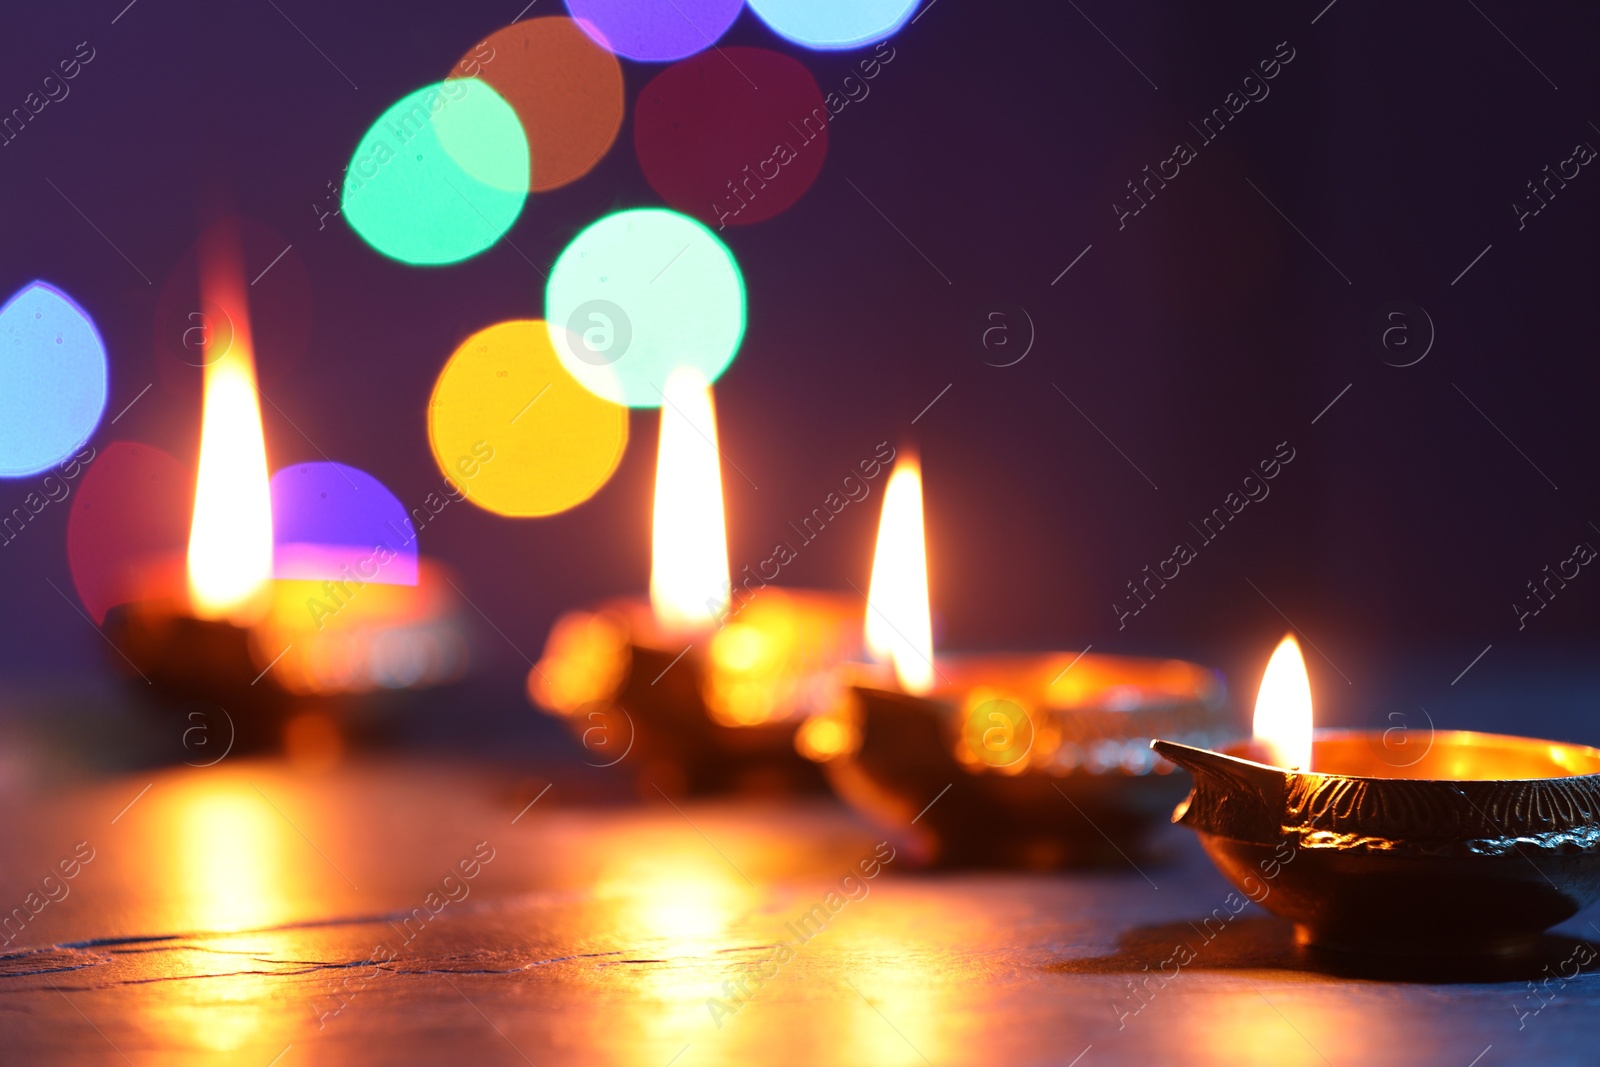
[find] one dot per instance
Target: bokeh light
(440, 176)
(637, 295)
(52, 379)
(717, 148)
(565, 88)
(655, 31)
(333, 521)
(513, 431)
(128, 527)
(830, 25)
(997, 731)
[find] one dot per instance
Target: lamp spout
(1232, 797)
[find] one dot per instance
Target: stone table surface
(251, 913)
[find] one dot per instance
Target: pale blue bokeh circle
(639, 294)
(831, 25)
(52, 379)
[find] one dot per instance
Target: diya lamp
(1034, 760)
(1473, 848)
(699, 697)
(217, 627)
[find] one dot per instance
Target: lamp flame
(230, 537)
(1283, 708)
(899, 625)
(689, 584)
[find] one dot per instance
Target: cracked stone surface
(249, 914)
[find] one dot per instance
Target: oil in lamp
(1472, 849)
(1033, 760)
(700, 704)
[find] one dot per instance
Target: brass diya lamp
(700, 687)
(1473, 848)
(216, 627)
(1031, 760)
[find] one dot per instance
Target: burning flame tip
(230, 537)
(1283, 718)
(899, 625)
(689, 583)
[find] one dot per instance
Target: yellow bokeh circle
(514, 432)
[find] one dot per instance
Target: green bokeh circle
(440, 176)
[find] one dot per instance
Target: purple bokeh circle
(655, 31)
(330, 521)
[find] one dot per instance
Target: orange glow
(689, 544)
(585, 659)
(566, 89)
(775, 660)
(230, 539)
(825, 737)
(321, 640)
(750, 676)
(1283, 708)
(899, 626)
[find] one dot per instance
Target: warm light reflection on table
(227, 859)
(233, 1014)
(674, 903)
(1274, 1026)
(224, 932)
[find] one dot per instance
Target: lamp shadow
(1268, 943)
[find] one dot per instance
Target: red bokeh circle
(724, 151)
(128, 527)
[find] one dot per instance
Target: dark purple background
(997, 139)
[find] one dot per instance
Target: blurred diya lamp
(292, 659)
(1473, 848)
(218, 627)
(998, 767)
(694, 700)
(1031, 760)
(718, 714)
